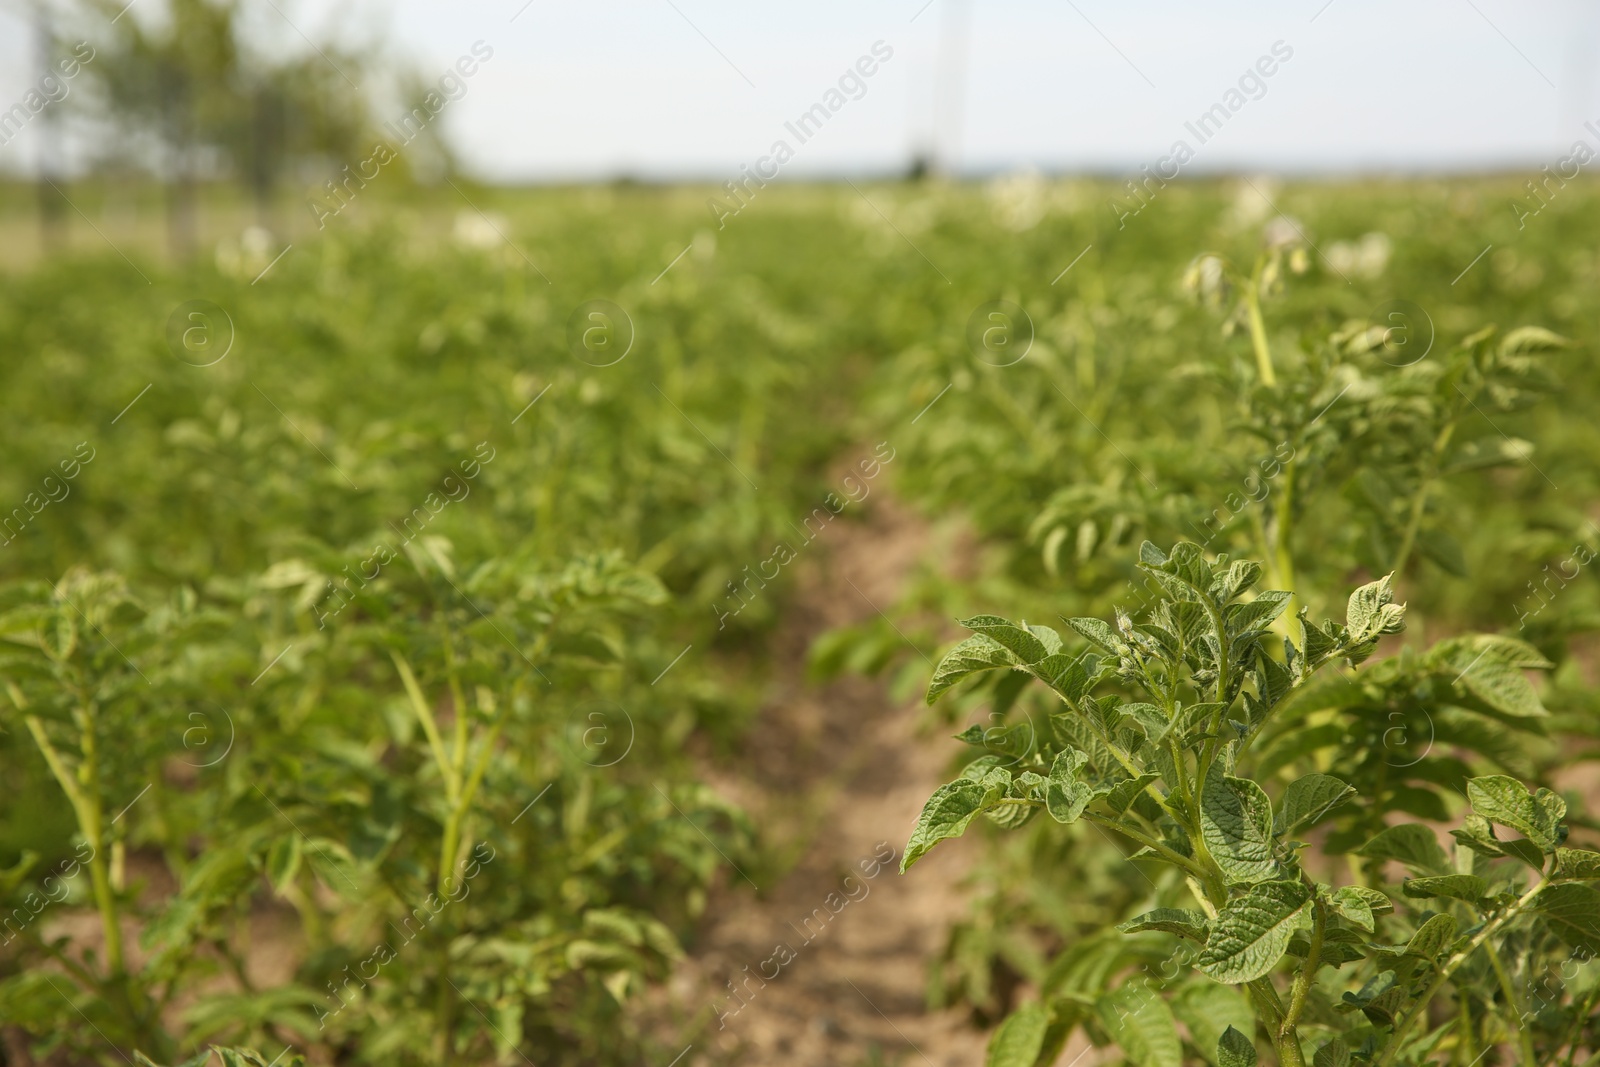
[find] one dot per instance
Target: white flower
(482, 232)
(1366, 258)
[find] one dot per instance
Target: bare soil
(828, 964)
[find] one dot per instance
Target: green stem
(1282, 546)
(459, 701)
(84, 795)
(1181, 767)
(1575, 1031)
(1466, 1039)
(1520, 1022)
(1258, 326)
(424, 713)
(1224, 659)
(1445, 972)
(1270, 1008)
(1419, 502)
(1303, 980)
(99, 870)
(1176, 858)
(462, 807)
(444, 1005)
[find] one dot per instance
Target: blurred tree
(52, 208)
(194, 94)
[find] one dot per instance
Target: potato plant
(428, 897)
(1161, 738)
(344, 695)
(1316, 432)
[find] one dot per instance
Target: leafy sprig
(1153, 740)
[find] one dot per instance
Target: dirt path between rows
(829, 964)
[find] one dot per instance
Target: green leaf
(1249, 934)
(1258, 613)
(1236, 823)
(1507, 802)
(1241, 575)
(1208, 1009)
(1235, 1050)
(950, 810)
(1141, 1024)
(972, 735)
(1576, 863)
(1531, 339)
(1099, 633)
(1020, 1038)
(1309, 798)
(1412, 844)
(1151, 719)
(283, 862)
(1359, 905)
(1333, 1054)
(1526, 851)
(1573, 911)
(1065, 796)
(1180, 921)
(239, 1057)
(1478, 835)
(1025, 644)
(977, 653)
(1128, 790)
(198, 1060)
(333, 864)
(1432, 937)
(1467, 887)
(1371, 613)
(1490, 668)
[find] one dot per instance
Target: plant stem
(1258, 326)
(84, 795)
(444, 1009)
(1302, 982)
(462, 807)
(459, 702)
(1282, 548)
(1519, 1023)
(99, 871)
(1270, 1008)
(424, 713)
(1224, 656)
(1466, 1040)
(1147, 841)
(1419, 502)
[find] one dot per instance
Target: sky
(670, 89)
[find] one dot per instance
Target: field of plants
(492, 636)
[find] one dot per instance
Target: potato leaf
(1236, 823)
(1020, 1038)
(1180, 921)
(1573, 911)
(1235, 1050)
(1249, 935)
(1412, 844)
(1506, 801)
(1310, 798)
(1142, 1025)
(951, 810)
